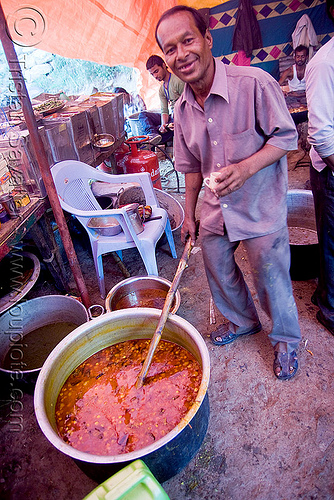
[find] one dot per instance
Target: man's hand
(234, 176)
(231, 178)
(189, 228)
(166, 126)
(193, 182)
(163, 128)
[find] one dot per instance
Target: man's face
(300, 58)
(187, 52)
(158, 72)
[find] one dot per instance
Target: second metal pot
(141, 291)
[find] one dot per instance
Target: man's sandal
(287, 363)
(223, 335)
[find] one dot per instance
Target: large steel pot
(27, 316)
(172, 206)
(304, 253)
(168, 455)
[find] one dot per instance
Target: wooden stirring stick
(165, 311)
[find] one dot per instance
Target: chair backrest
(79, 195)
(73, 181)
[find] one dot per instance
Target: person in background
(232, 120)
(295, 75)
(320, 102)
(149, 121)
(170, 90)
(132, 103)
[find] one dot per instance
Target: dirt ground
(266, 440)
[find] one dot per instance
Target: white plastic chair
(73, 181)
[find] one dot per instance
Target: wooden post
(37, 144)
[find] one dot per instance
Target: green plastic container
(133, 482)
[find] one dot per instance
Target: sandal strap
(223, 335)
(287, 362)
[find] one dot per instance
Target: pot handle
(118, 194)
(95, 311)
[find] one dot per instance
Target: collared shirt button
(225, 205)
(218, 165)
(210, 120)
(215, 143)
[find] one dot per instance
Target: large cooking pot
(168, 455)
(26, 317)
(304, 246)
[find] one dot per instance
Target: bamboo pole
(164, 314)
(37, 144)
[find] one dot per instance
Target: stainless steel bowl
(103, 141)
(141, 291)
(106, 226)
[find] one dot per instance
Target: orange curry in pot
(100, 411)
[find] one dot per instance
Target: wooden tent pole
(38, 147)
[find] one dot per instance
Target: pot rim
(167, 196)
(52, 363)
(5, 305)
(43, 298)
(133, 279)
